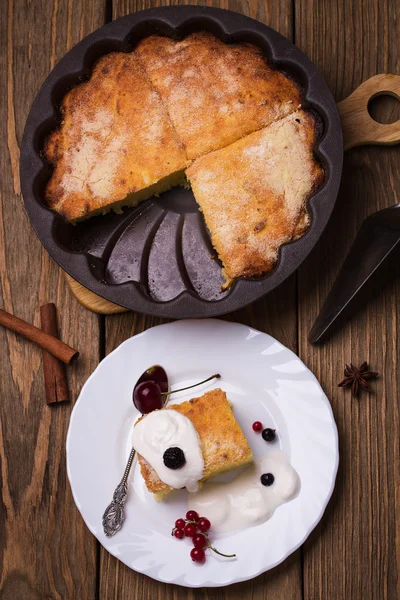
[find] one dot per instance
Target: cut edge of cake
(223, 214)
(106, 151)
(66, 208)
(249, 95)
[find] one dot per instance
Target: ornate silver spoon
(151, 392)
(114, 515)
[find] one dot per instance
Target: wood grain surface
(46, 552)
(359, 128)
(355, 552)
(45, 549)
(92, 301)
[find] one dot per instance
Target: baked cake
(131, 131)
(253, 193)
(223, 444)
(115, 146)
(216, 93)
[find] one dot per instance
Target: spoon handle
(114, 515)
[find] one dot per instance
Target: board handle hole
(385, 107)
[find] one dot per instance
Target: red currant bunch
(197, 528)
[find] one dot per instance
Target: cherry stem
(215, 376)
(220, 553)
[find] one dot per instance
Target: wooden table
(46, 552)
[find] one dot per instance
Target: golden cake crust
(216, 93)
(115, 139)
(132, 129)
(253, 193)
(223, 443)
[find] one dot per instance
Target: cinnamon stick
(44, 340)
(55, 380)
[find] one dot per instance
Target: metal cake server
(378, 237)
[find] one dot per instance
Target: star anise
(357, 378)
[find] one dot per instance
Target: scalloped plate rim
(209, 583)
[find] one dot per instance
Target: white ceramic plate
(265, 381)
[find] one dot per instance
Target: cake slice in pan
(115, 145)
(223, 444)
(216, 93)
(253, 193)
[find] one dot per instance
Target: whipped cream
(163, 429)
(245, 502)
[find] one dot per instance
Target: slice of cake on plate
(203, 440)
(216, 93)
(253, 193)
(115, 145)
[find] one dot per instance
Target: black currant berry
(174, 458)
(267, 479)
(268, 434)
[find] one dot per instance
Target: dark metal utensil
(378, 236)
(103, 254)
(124, 257)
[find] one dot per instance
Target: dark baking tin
(155, 258)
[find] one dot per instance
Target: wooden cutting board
(359, 129)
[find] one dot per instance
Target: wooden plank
(277, 315)
(355, 552)
(45, 549)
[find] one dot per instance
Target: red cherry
(147, 397)
(180, 523)
(192, 515)
(257, 426)
(203, 524)
(157, 374)
(198, 555)
(190, 530)
(151, 390)
(178, 533)
(200, 541)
